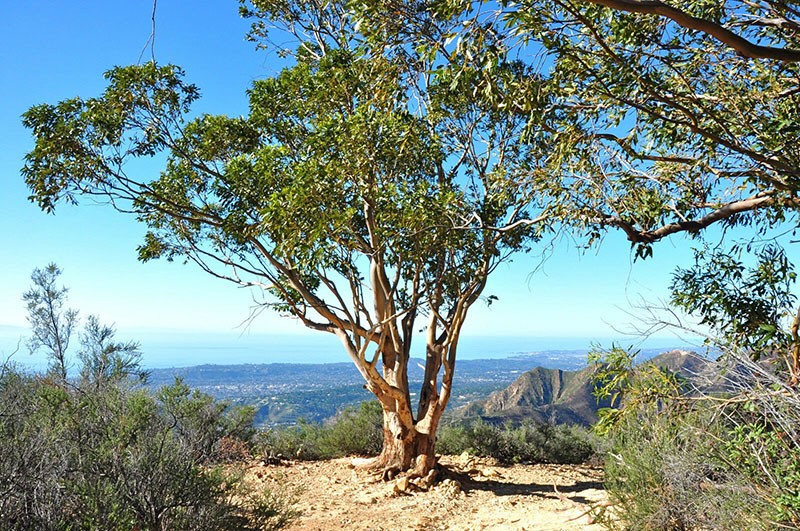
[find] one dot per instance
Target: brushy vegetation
(107, 455)
(354, 431)
(664, 472)
(527, 443)
(688, 459)
(99, 451)
(721, 450)
(358, 431)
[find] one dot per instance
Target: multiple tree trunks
(405, 449)
(408, 439)
(408, 442)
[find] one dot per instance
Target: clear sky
(61, 49)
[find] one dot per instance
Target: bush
(360, 432)
(729, 460)
(106, 455)
(526, 443)
(762, 443)
(663, 473)
(98, 452)
(301, 441)
(355, 431)
(351, 432)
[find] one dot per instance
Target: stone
(402, 486)
(426, 482)
(490, 473)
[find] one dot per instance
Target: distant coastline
(163, 350)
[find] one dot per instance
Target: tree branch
(724, 35)
(760, 200)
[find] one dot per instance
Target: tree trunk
(408, 443)
(405, 449)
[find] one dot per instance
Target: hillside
(566, 397)
(285, 392)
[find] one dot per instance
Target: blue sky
(61, 50)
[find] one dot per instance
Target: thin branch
(151, 40)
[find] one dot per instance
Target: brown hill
(567, 397)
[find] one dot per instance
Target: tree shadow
(541, 490)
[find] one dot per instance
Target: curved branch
(724, 35)
(727, 211)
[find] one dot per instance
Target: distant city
(281, 376)
(284, 393)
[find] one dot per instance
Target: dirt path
(476, 494)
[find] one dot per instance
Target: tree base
(389, 469)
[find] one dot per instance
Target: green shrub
(302, 441)
(360, 432)
(762, 444)
(111, 456)
(354, 431)
(722, 461)
(98, 452)
(663, 473)
(526, 443)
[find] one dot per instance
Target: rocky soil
(471, 494)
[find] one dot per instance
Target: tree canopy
(674, 118)
(409, 148)
(364, 193)
(665, 122)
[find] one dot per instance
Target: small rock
(490, 473)
(402, 486)
(450, 488)
(466, 460)
(426, 482)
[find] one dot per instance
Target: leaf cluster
(746, 298)
(631, 391)
(652, 125)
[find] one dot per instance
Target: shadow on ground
(474, 482)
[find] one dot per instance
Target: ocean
(185, 349)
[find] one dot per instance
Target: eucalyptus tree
(670, 118)
(369, 193)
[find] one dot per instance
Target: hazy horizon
(164, 349)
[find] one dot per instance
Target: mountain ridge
(567, 397)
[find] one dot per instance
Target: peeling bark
(405, 448)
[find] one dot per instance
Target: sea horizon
(175, 349)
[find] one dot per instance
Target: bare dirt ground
(471, 494)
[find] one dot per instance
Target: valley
(284, 393)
